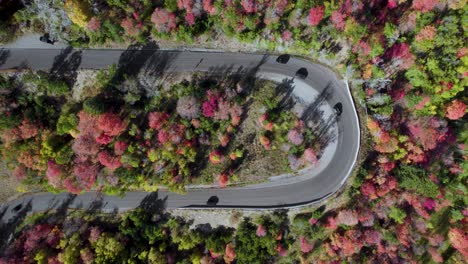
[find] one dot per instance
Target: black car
(302, 73)
(338, 109)
(212, 201)
(283, 59)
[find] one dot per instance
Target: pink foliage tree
(250, 6)
(163, 20)
(190, 19)
(295, 137)
(316, 15)
(185, 4)
(347, 217)
(305, 245)
(94, 24)
(338, 19)
(459, 240)
(456, 110)
(261, 231)
(310, 156)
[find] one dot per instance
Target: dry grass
(8, 184)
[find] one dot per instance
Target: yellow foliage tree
(78, 11)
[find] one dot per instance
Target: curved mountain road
(284, 192)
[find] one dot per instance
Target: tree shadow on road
(314, 117)
(4, 54)
(65, 66)
(8, 228)
(153, 204)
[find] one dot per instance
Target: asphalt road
(285, 193)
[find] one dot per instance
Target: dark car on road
(283, 59)
(338, 109)
(302, 73)
(212, 201)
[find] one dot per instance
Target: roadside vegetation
(408, 62)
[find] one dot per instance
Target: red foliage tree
(223, 179)
(216, 157)
(163, 136)
(424, 5)
(400, 52)
(71, 186)
(316, 15)
(456, 110)
(209, 7)
(112, 163)
(111, 124)
(157, 119)
(425, 131)
(224, 139)
(131, 27)
(185, 4)
(37, 236)
(104, 139)
(230, 253)
(459, 240)
(53, 173)
(163, 20)
(28, 130)
(210, 106)
(85, 145)
(368, 189)
(86, 173)
(120, 147)
(265, 141)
